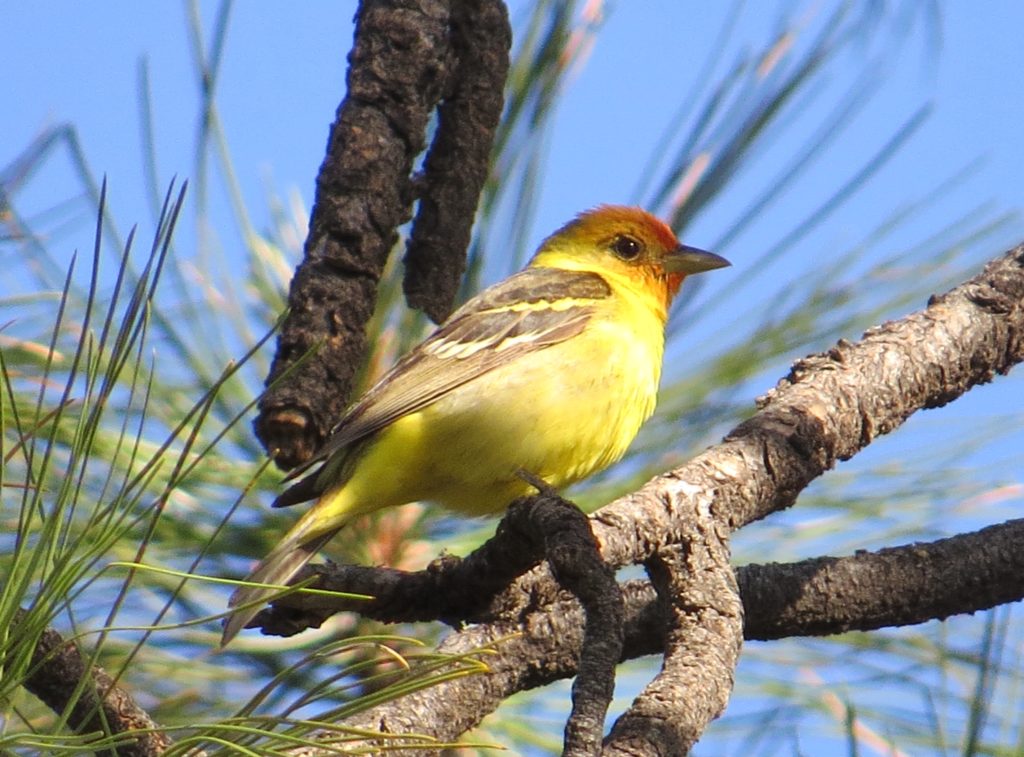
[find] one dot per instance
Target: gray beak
(689, 260)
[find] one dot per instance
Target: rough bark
(703, 634)
(363, 193)
(456, 165)
(963, 574)
(828, 408)
(540, 633)
(57, 669)
(892, 587)
(576, 564)
(406, 55)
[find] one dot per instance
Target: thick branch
(892, 587)
(830, 407)
(704, 632)
(406, 55)
(542, 646)
(456, 165)
(363, 193)
(827, 409)
(57, 668)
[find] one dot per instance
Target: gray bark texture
(828, 408)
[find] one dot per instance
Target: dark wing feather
(465, 347)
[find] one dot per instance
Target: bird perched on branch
(551, 371)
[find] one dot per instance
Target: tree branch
(892, 587)
(828, 408)
(406, 55)
(925, 581)
(542, 646)
(703, 634)
(456, 165)
(363, 193)
(538, 527)
(102, 707)
(576, 564)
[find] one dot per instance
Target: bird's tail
(284, 561)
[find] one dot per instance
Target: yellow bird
(551, 371)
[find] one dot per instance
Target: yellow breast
(561, 413)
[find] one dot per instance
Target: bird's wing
(533, 309)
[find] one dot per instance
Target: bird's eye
(626, 247)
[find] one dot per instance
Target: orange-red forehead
(610, 219)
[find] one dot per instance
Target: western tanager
(552, 371)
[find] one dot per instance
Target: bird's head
(629, 244)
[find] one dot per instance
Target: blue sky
(283, 77)
(284, 73)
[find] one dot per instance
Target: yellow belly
(558, 413)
